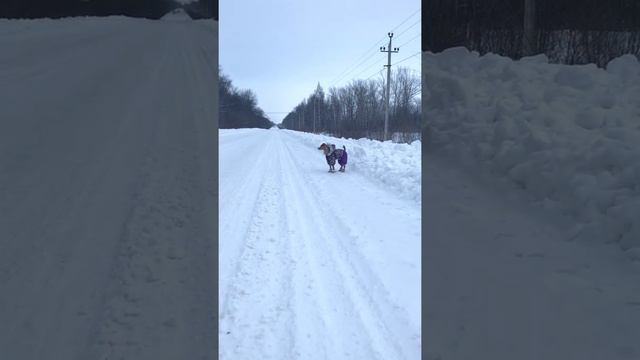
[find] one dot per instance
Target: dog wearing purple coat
(332, 154)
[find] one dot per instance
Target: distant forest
(239, 107)
(568, 31)
(357, 110)
(152, 9)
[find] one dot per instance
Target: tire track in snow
(392, 318)
(234, 196)
(232, 203)
(256, 317)
(309, 305)
(357, 307)
(335, 305)
(156, 304)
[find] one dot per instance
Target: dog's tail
(344, 148)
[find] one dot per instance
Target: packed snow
(318, 265)
(107, 191)
(506, 279)
(568, 135)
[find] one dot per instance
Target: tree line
(567, 31)
(357, 109)
(239, 107)
(152, 9)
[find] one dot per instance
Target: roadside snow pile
(569, 135)
(176, 15)
(397, 166)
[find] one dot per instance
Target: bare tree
(356, 109)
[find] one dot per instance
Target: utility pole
(528, 38)
(386, 104)
(315, 100)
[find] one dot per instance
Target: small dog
(332, 154)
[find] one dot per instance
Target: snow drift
(397, 166)
(568, 135)
(178, 14)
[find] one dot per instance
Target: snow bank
(176, 15)
(69, 20)
(397, 166)
(569, 135)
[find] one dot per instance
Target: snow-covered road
(313, 265)
(503, 282)
(107, 194)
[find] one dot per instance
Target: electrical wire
(407, 58)
(358, 63)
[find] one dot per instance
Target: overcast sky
(281, 49)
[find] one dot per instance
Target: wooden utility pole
(529, 34)
(386, 104)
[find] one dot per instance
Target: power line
(367, 68)
(407, 58)
(412, 25)
(408, 41)
(356, 67)
(352, 68)
(372, 75)
(405, 20)
(377, 71)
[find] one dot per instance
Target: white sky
(281, 49)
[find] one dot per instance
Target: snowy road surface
(107, 192)
(313, 265)
(503, 283)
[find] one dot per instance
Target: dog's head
(324, 148)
